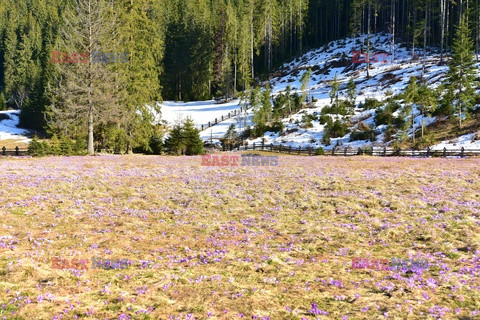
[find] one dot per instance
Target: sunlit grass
(222, 242)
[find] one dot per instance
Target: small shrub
(35, 148)
(3, 103)
(324, 119)
(54, 146)
(371, 104)
(66, 146)
(277, 126)
(320, 152)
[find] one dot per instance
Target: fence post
(271, 146)
(4, 151)
(229, 114)
(209, 124)
(215, 120)
(202, 127)
(310, 151)
(462, 154)
(345, 152)
(384, 151)
(16, 151)
(222, 118)
(371, 153)
(333, 151)
(263, 144)
(444, 152)
(428, 152)
(299, 149)
(254, 146)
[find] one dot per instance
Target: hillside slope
(386, 80)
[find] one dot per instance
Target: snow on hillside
(200, 111)
(9, 129)
(469, 142)
(333, 59)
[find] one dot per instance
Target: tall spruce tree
(85, 92)
(411, 97)
(461, 74)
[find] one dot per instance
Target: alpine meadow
(239, 159)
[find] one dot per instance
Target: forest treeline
(181, 50)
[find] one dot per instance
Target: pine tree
(231, 134)
(461, 74)
(85, 92)
(426, 101)
(305, 80)
(351, 91)
(3, 104)
(411, 97)
(55, 146)
(334, 92)
(35, 148)
(193, 142)
(66, 146)
(175, 143)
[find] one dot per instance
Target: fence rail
(14, 152)
(231, 114)
(374, 151)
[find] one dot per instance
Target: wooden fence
(231, 114)
(14, 152)
(373, 151)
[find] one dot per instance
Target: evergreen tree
(66, 146)
(426, 101)
(231, 134)
(193, 142)
(3, 104)
(35, 148)
(305, 80)
(411, 97)
(85, 93)
(461, 74)
(175, 143)
(55, 146)
(351, 91)
(334, 92)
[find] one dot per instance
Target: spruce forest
(182, 50)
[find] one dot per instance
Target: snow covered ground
(200, 111)
(333, 59)
(469, 142)
(9, 129)
(385, 79)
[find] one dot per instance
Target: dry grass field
(239, 242)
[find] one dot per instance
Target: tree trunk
(413, 37)
(368, 41)
(393, 3)
(413, 122)
(442, 28)
(477, 37)
(251, 42)
(425, 39)
(90, 148)
(423, 122)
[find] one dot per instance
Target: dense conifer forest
(183, 50)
